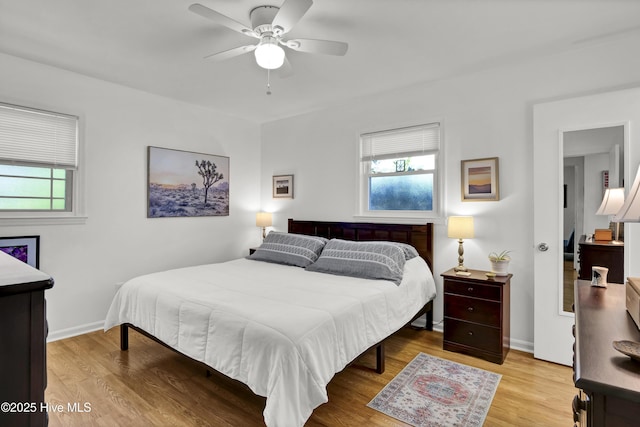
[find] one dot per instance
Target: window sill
(42, 220)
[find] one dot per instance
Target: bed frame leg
(429, 325)
(124, 337)
(380, 358)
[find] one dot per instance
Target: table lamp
(264, 220)
(611, 203)
(460, 227)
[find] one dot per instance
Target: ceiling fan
(270, 24)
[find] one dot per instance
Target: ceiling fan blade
(221, 19)
(326, 47)
(289, 14)
(285, 70)
(236, 51)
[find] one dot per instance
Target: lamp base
(460, 266)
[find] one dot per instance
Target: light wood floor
(151, 385)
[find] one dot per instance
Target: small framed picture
(480, 180)
(283, 187)
(24, 248)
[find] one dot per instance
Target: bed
(283, 330)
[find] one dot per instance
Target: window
(38, 160)
(399, 171)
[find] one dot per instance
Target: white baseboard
(522, 345)
(76, 330)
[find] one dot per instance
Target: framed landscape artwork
(186, 184)
(283, 186)
(480, 180)
(24, 248)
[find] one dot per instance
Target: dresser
(23, 332)
(609, 381)
(603, 254)
(477, 314)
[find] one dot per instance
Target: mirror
(593, 161)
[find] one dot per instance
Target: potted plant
(500, 262)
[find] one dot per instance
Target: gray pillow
(368, 260)
(290, 249)
(409, 251)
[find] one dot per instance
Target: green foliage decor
(502, 256)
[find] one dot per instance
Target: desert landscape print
(184, 184)
(480, 180)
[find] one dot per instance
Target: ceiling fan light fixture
(269, 54)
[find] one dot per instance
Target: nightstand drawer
(471, 289)
(473, 335)
(473, 310)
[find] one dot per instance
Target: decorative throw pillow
(409, 251)
(290, 249)
(368, 260)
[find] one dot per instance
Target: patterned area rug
(432, 392)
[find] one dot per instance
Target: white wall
(118, 241)
(484, 115)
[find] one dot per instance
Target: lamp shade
(263, 219)
(611, 202)
(630, 211)
(268, 54)
(460, 227)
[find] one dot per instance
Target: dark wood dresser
(23, 332)
(603, 254)
(609, 381)
(477, 314)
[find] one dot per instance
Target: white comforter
(281, 330)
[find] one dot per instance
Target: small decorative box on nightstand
(476, 314)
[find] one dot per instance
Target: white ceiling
(158, 45)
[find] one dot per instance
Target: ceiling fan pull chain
(268, 82)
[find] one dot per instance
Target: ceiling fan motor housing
(261, 19)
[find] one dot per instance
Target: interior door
(553, 339)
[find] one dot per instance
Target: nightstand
(476, 314)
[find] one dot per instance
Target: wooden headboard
(418, 236)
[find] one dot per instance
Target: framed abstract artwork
(480, 180)
(283, 186)
(24, 248)
(185, 184)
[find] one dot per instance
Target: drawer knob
(470, 333)
(470, 289)
(578, 405)
(470, 308)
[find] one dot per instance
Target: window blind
(36, 137)
(410, 141)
